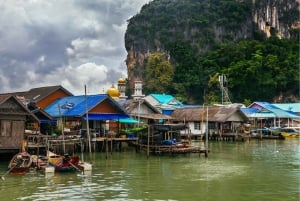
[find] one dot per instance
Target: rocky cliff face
(278, 15)
(265, 16)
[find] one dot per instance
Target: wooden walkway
(172, 149)
(41, 142)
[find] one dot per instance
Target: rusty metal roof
(37, 94)
(210, 113)
(3, 97)
(7, 105)
(131, 106)
(155, 116)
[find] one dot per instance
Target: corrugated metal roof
(36, 94)
(151, 100)
(262, 115)
(74, 105)
(268, 110)
(3, 97)
(131, 106)
(293, 107)
(211, 113)
(13, 101)
(248, 111)
(155, 116)
(166, 100)
(163, 98)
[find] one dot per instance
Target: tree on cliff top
(159, 73)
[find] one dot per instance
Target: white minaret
(122, 88)
(138, 88)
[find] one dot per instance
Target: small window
(196, 125)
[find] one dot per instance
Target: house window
(5, 128)
(196, 125)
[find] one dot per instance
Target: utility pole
(87, 120)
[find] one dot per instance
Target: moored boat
(266, 133)
(20, 163)
(289, 132)
(65, 163)
(39, 162)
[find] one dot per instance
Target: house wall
(192, 130)
(214, 128)
(11, 133)
(51, 98)
(12, 125)
(104, 107)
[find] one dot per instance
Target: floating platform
(40, 163)
(48, 170)
(84, 166)
(172, 149)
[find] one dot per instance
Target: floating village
(47, 128)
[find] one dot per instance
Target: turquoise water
(234, 171)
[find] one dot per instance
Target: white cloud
(83, 49)
(68, 43)
(74, 78)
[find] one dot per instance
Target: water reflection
(255, 170)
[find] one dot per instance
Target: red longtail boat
(63, 163)
(20, 163)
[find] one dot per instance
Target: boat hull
(289, 135)
(63, 163)
(20, 163)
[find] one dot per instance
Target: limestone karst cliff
(204, 23)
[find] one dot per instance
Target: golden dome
(121, 81)
(113, 92)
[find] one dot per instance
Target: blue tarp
(167, 112)
(73, 105)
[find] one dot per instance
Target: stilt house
(13, 117)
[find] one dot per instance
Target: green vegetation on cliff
(207, 38)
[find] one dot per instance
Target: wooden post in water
(62, 129)
(106, 146)
(206, 134)
(201, 134)
(111, 144)
(148, 142)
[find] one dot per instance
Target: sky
(72, 43)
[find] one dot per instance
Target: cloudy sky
(63, 42)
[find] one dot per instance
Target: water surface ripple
(234, 171)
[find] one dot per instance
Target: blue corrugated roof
(74, 105)
(279, 112)
(166, 99)
(163, 98)
(293, 107)
(270, 110)
(248, 111)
